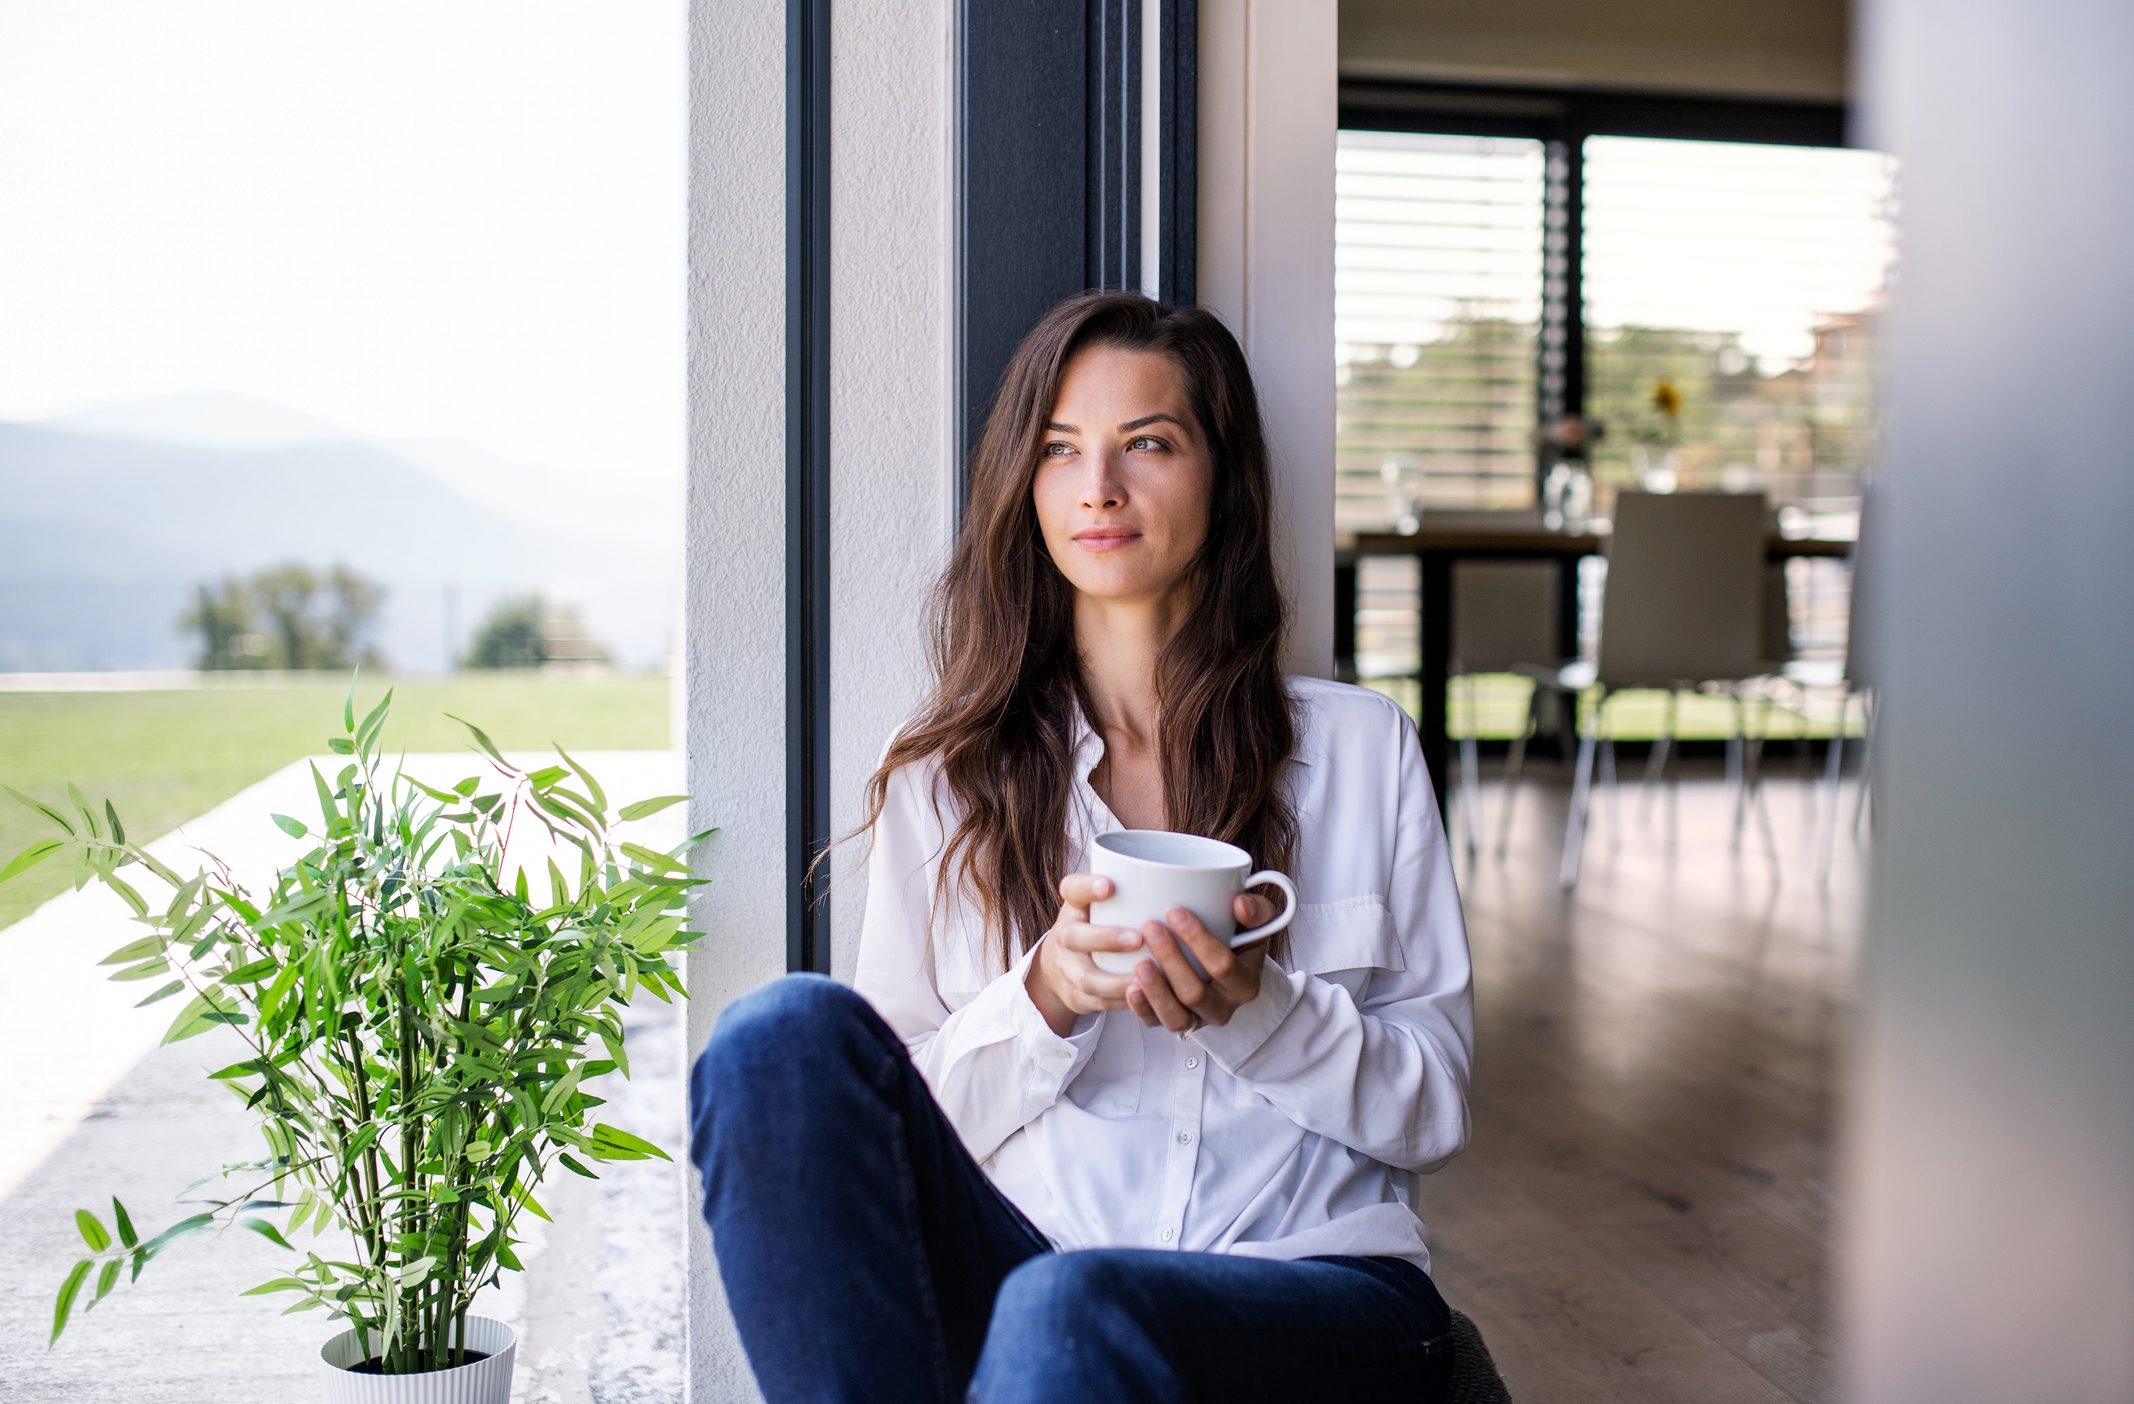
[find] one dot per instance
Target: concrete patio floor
(93, 1107)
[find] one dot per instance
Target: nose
(1103, 487)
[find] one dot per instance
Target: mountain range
(110, 520)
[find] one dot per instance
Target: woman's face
(1123, 479)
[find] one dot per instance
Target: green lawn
(163, 757)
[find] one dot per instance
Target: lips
(1108, 538)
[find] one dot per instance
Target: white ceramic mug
(1152, 871)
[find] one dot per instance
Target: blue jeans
(867, 1257)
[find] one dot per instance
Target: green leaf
(92, 1231)
(481, 738)
(124, 1222)
(252, 971)
(279, 1284)
(614, 1143)
(181, 1229)
(202, 1012)
(118, 835)
(368, 731)
(146, 970)
(570, 1162)
(294, 828)
(646, 807)
(126, 893)
(165, 993)
(81, 802)
(30, 857)
(40, 807)
(592, 786)
(107, 1279)
(137, 950)
(340, 745)
(348, 706)
(68, 1290)
(267, 1231)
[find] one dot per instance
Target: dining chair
(1855, 679)
(1682, 608)
(1504, 620)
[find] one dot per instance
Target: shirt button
(1185, 1138)
(1165, 1235)
(1192, 1062)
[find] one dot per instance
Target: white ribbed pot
(484, 1382)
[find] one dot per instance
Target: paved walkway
(92, 1107)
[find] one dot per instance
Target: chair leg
(1827, 831)
(1615, 788)
(1755, 782)
(1574, 833)
(1656, 759)
(1513, 765)
(1737, 747)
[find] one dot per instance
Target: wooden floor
(1646, 1211)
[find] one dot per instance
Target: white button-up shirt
(1289, 1131)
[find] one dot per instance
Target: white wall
(734, 562)
(1797, 49)
(1989, 1169)
(892, 458)
(892, 441)
(1265, 263)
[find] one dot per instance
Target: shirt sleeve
(993, 1064)
(1385, 1072)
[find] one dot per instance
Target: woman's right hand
(1064, 982)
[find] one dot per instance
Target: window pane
(1752, 280)
(1437, 305)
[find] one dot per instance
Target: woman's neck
(1118, 643)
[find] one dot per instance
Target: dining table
(1440, 541)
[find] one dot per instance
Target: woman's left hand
(1166, 991)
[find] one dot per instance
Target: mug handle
(1268, 877)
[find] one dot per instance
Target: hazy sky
(409, 217)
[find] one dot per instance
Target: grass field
(1498, 712)
(163, 757)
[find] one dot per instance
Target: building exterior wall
(733, 563)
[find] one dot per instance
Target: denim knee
(775, 1033)
(1053, 1292)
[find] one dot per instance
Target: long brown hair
(1000, 717)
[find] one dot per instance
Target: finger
(1078, 890)
(1214, 952)
(1085, 937)
(1106, 990)
(1252, 910)
(1137, 1000)
(1156, 989)
(1189, 989)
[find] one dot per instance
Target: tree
(287, 616)
(511, 637)
(527, 631)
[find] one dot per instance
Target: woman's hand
(1064, 982)
(1166, 991)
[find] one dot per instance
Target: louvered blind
(1437, 306)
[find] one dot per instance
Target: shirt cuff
(1252, 1023)
(1058, 1059)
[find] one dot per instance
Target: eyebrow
(1126, 428)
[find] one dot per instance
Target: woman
(996, 1171)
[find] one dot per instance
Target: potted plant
(418, 1025)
